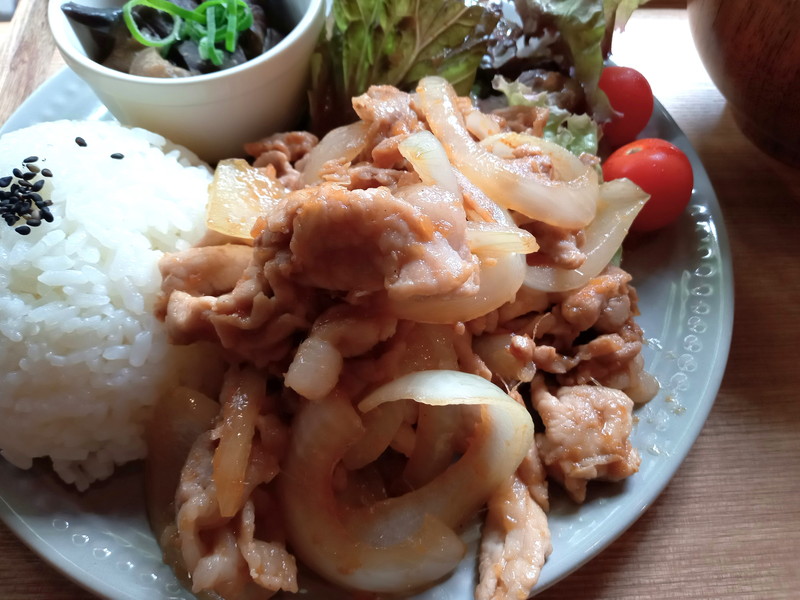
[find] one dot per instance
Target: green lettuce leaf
(576, 133)
(586, 26)
(394, 42)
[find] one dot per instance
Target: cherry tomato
(662, 170)
(631, 96)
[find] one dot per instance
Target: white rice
(82, 357)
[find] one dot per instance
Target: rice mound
(82, 357)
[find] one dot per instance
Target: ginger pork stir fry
(397, 304)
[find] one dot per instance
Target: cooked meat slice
(362, 176)
(614, 360)
(150, 63)
(557, 247)
(270, 564)
(587, 435)
(221, 554)
(186, 317)
(514, 546)
(532, 473)
(257, 321)
(391, 116)
(585, 336)
(632, 379)
(282, 151)
(204, 270)
(364, 241)
(549, 360)
(293, 145)
(604, 303)
(524, 119)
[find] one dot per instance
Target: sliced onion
(496, 350)
(315, 368)
(620, 202)
(479, 206)
(501, 440)
(481, 125)
(381, 427)
(570, 204)
(321, 534)
(429, 160)
(493, 239)
(241, 399)
(178, 418)
(397, 544)
(499, 280)
(501, 274)
(566, 165)
(434, 444)
(500, 247)
(238, 195)
(341, 144)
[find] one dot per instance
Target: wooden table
(728, 525)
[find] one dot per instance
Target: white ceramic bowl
(212, 114)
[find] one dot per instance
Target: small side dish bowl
(212, 114)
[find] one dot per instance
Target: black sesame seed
(19, 201)
(117, 156)
(80, 141)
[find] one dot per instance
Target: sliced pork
(586, 436)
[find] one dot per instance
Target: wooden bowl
(751, 50)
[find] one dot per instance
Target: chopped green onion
(231, 31)
(139, 35)
(212, 22)
(211, 33)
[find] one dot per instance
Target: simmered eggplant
(178, 38)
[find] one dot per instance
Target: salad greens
(394, 42)
(577, 133)
(369, 42)
(586, 27)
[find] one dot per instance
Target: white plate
(685, 282)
